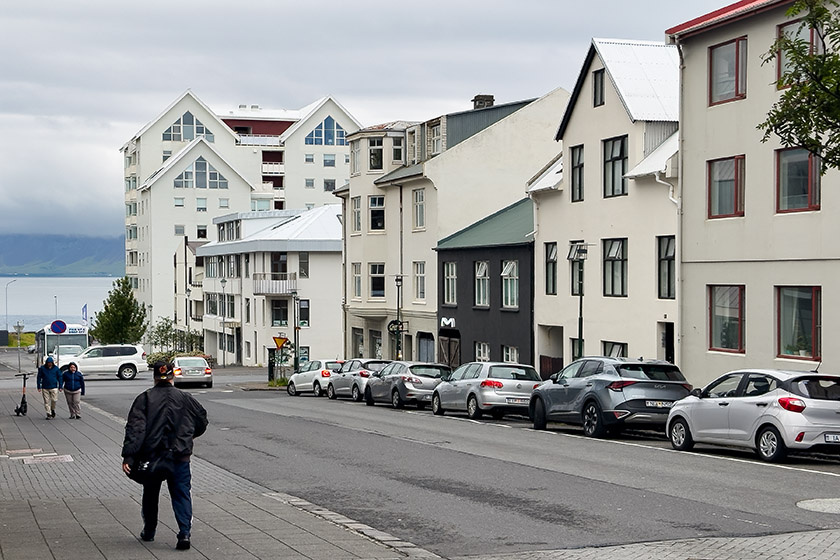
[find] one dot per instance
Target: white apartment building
(268, 272)
(606, 214)
(191, 164)
(410, 186)
(759, 224)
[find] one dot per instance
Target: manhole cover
(49, 459)
(821, 505)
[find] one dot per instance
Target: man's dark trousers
(179, 484)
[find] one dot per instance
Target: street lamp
(187, 305)
(296, 327)
(223, 282)
(398, 280)
(7, 302)
(577, 254)
(18, 330)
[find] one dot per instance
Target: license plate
(516, 401)
(832, 438)
(659, 404)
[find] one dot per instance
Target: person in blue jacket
(73, 383)
(49, 385)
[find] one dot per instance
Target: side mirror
(698, 392)
(446, 377)
(554, 377)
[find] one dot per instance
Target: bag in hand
(157, 467)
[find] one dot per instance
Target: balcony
(274, 283)
(259, 140)
(273, 168)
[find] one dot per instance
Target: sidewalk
(63, 495)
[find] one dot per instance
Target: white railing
(259, 140)
(274, 283)
(273, 168)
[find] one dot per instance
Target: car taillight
(411, 379)
(536, 385)
(620, 385)
(799, 437)
(364, 373)
(792, 404)
(177, 371)
(492, 383)
(325, 373)
(688, 386)
(208, 371)
(144, 355)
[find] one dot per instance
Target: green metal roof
(513, 225)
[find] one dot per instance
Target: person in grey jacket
(49, 385)
(73, 383)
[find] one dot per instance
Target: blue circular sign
(58, 327)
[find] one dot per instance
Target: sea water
(38, 301)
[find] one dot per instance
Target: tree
(122, 319)
(162, 334)
(807, 114)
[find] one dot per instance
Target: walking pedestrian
(49, 385)
(164, 418)
(73, 383)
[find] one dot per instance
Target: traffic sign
(58, 327)
(280, 341)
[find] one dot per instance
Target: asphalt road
(457, 486)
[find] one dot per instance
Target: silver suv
(122, 360)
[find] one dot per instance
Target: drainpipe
(678, 336)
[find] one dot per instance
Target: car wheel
(437, 410)
(290, 388)
(331, 392)
(368, 397)
(316, 389)
(472, 408)
(539, 415)
(396, 400)
(357, 395)
(680, 435)
(593, 422)
(497, 414)
(769, 445)
(127, 372)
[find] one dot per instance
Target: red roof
(734, 11)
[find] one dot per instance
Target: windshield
(429, 371)
(332, 365)
(376, 366)
(192, 362)
(68, 349)
(822, 387)
(518, 373)
(655, 372)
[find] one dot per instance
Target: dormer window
(187, 128)
(437, 141)
(598, 88)
(327, 133)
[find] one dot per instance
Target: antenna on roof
(816, 369)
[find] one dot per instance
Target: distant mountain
(61, 255)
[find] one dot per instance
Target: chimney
(481, 101)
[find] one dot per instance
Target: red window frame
(740, 89)
(816, 328)
(741, 303)
(738, 193)
(812, 41)
(813, 183)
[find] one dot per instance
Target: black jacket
(160, 415)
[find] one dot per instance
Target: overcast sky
(78, 79)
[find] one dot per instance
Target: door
(467, 384)
(709, 416)
(447, 390)
(91, 361)
(377, 384)
(557, 392)
(425, 347)
(668, 342)
(581, 384)
(750, 406)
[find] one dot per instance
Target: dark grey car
(351, 379)
(608, 393)
(401, 383)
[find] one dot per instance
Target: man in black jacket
(161, 418)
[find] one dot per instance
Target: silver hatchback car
(608, 393)
(401, 383)
(479, 387)
(769, 411)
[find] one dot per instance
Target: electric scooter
(21, 410)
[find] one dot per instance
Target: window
(375, 343)
(450, 282)
(303, 312)
(357, 279)
(726, 187)
(666, 252)
(437, 142)
(201, 175)
(598, 88)
(279, 263)
(224, 203)
(355, 156)
(179, 230)
(419, 205)
(376, 205)
(800, 321)
(728, 71)
(615, 166)
(510, 284)
(614, 349)
(356, 213)
(482, 352)
(201, 205)
(167, 154)
(615, 267)
(309, 183)
(796, 31)
(179, 202)
(397, 155)
(329, 160)
(186, 128)
(726, 318)
(308, 158)
(576, 153)
(201, 232)
(377, 280)
(798, 180)
(303, 264)
(346, 159)
(510, 354)
(279, 313)
(327, 133)
(329, 185)
(375, 153)
(551, 269)
(577, 345)
(260, 204)
(419, 280)
(482, 284)
(247, 310)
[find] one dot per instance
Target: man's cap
(162, 370)
(49, 360)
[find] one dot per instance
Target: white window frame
(419, 268)
(201, 204)
(510, 284)
(510, 354)
(418, 197)
(482, 284)
(450, 283)
(179, 202)
(329, 160)
(482, 352)
(356, 268)
(356, 214)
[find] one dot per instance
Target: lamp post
(187, 305)
(223, 282)
(398, 280)
(18, 330)
(7, 302)
(296, 327)
(577, 254)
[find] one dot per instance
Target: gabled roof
(513, 225)
(173, 162)
(645, 75)
(403, 172)
(727, 14)
(549, 177)
(309, 110)
(656, 161)
(399, 126)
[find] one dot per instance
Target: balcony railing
(259, 140)
(274, 283)
(273, 168)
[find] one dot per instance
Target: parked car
(122, 360)
(352, 379)
(62, 353)
(401, 383)
(313, 376)
(191, 369)
(769, 411)
(479, 387)
(31, 348)
(605, 394)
